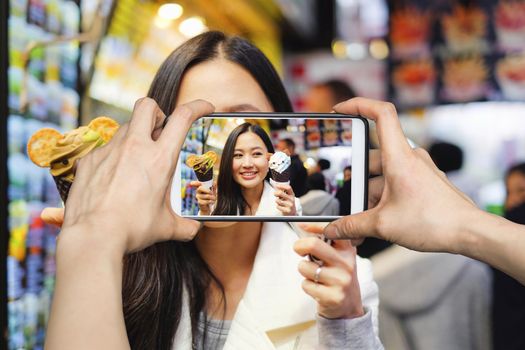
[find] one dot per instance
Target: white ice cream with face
(280, 161)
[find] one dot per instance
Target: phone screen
(272, 167)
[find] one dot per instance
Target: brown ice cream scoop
(202, 164)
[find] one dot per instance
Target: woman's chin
(249, 183)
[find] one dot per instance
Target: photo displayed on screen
(241, 167)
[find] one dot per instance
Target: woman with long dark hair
(243, 183)
(231, 287)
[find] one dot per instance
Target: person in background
(347, 173)
(323, 96)
(449, 159)
(515, 184)
(317, 202)
(508, 307)
(343, 194)
(297, 170)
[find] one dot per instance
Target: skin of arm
(119, 203)
(496, 241)
(414, 205)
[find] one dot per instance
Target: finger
(206, 197)
(355, 227)
(391, 137)
(53, 216)
(375, 190)
(119, 135)
(160, 121)
(314, 228)
(195, 184)
(179, 122)
(204, 190)
(283, 208)
(318, 248)
(375, 166)
(327, 276)
(321, 293)
(186, 229)
(145, 115)
(287, 189)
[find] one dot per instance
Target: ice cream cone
(205, 179)
(283, 177)
(280, 168)
(63, 186)
(203, 167)
(48, 148)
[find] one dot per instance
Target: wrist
(473, 237)
(353, 312)
(75, 240)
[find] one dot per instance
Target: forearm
(496, 241)
(356, 333)
(87, 305)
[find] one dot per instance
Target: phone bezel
(277, 115)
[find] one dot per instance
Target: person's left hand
(337, 288)
(285, 199)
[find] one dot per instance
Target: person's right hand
(121, 194)
(206, 197)
(415, 205)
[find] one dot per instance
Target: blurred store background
(454, 69)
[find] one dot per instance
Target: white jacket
(275, 313)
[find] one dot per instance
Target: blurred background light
(192, 26)
(170, 11)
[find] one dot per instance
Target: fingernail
(331, 232)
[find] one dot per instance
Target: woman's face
(249, 165)
(227, 85)
(515, 190)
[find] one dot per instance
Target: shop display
(449, 52)
(510, 74)
(327, 133)
(51, 102)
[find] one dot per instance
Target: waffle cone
(207, 176)
(281, 177)
(63, 186)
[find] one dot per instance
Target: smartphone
(340, 139)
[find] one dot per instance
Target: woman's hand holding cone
(206, 197)
(285, 199)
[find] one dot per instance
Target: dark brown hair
(153, 281)
(231, 201)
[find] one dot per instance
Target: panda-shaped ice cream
(280, 167)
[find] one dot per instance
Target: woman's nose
(247, 162)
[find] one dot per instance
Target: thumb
(186, 229)
(355, 227)
(53, 216)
